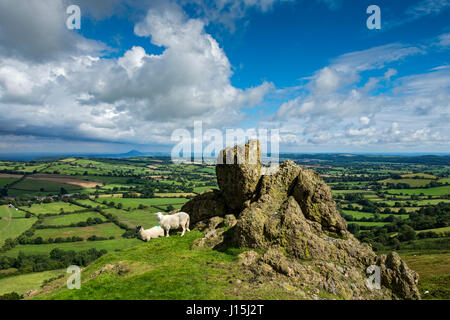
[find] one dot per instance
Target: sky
(138, 70)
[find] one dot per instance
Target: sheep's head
(138, 228)
(159, 215)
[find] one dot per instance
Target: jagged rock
(248, 258)
(290, 216)
(238, 172)
(211, 239)
(206, 205)
(396, 275)
(230, 220)
(30, 293)
(316, 201)
(120, 268)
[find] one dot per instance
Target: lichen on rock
(291, 217)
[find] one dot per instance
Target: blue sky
(137, 71)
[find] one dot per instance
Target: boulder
(238, 172)
(206, 205)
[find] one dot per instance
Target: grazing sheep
(174, 221)
(151, 233)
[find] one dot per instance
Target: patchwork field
(105, 230)
(67, 219)
(53, 208)
(30, 184)
(437, 191)
(132, 219)
(109, 245)
(134, 203)
(12, 228)
(26, 282)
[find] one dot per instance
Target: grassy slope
(12, 228)
(168, 269)
(26, 282)
(434, 272)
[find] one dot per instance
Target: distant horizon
(33, 156)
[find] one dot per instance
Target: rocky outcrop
(206, 205)
(291, 217)
(238, 172)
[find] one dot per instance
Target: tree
(406, 233)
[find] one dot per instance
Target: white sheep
(151, 233)
(174, 221)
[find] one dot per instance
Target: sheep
(151, 233)
(174, 221)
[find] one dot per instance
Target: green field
(88, 202)
(6, 212)
(6, 181)
(67, 219)
(102, 230)
(434, 273)
(437, 191)
(12, 228)
(134, 203)
(145, 218)
(360, 215)
(26, 282)
(413, 183)
(52, 208)
(368, 224)
(109, 245)
(43, 186)
(437, 230)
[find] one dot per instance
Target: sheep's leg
(184, 229)
(167, 232)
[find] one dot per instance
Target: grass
(437, 191)
(26, 282)
(202, 189)
(145, 218)
(67, 219)
(6, 181)
(43, 186)
(437, 230)
(360, 215)
(134, 203)
(109, 245)
(166, 268)
(14, 228)
(434, 273)
(102, 230)
(413, 183)
(52, 208)
(88, 202)
(369, 224)
(6, 212)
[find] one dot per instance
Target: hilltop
(259, 236)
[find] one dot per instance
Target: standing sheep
(151, 233)
(174, 221)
